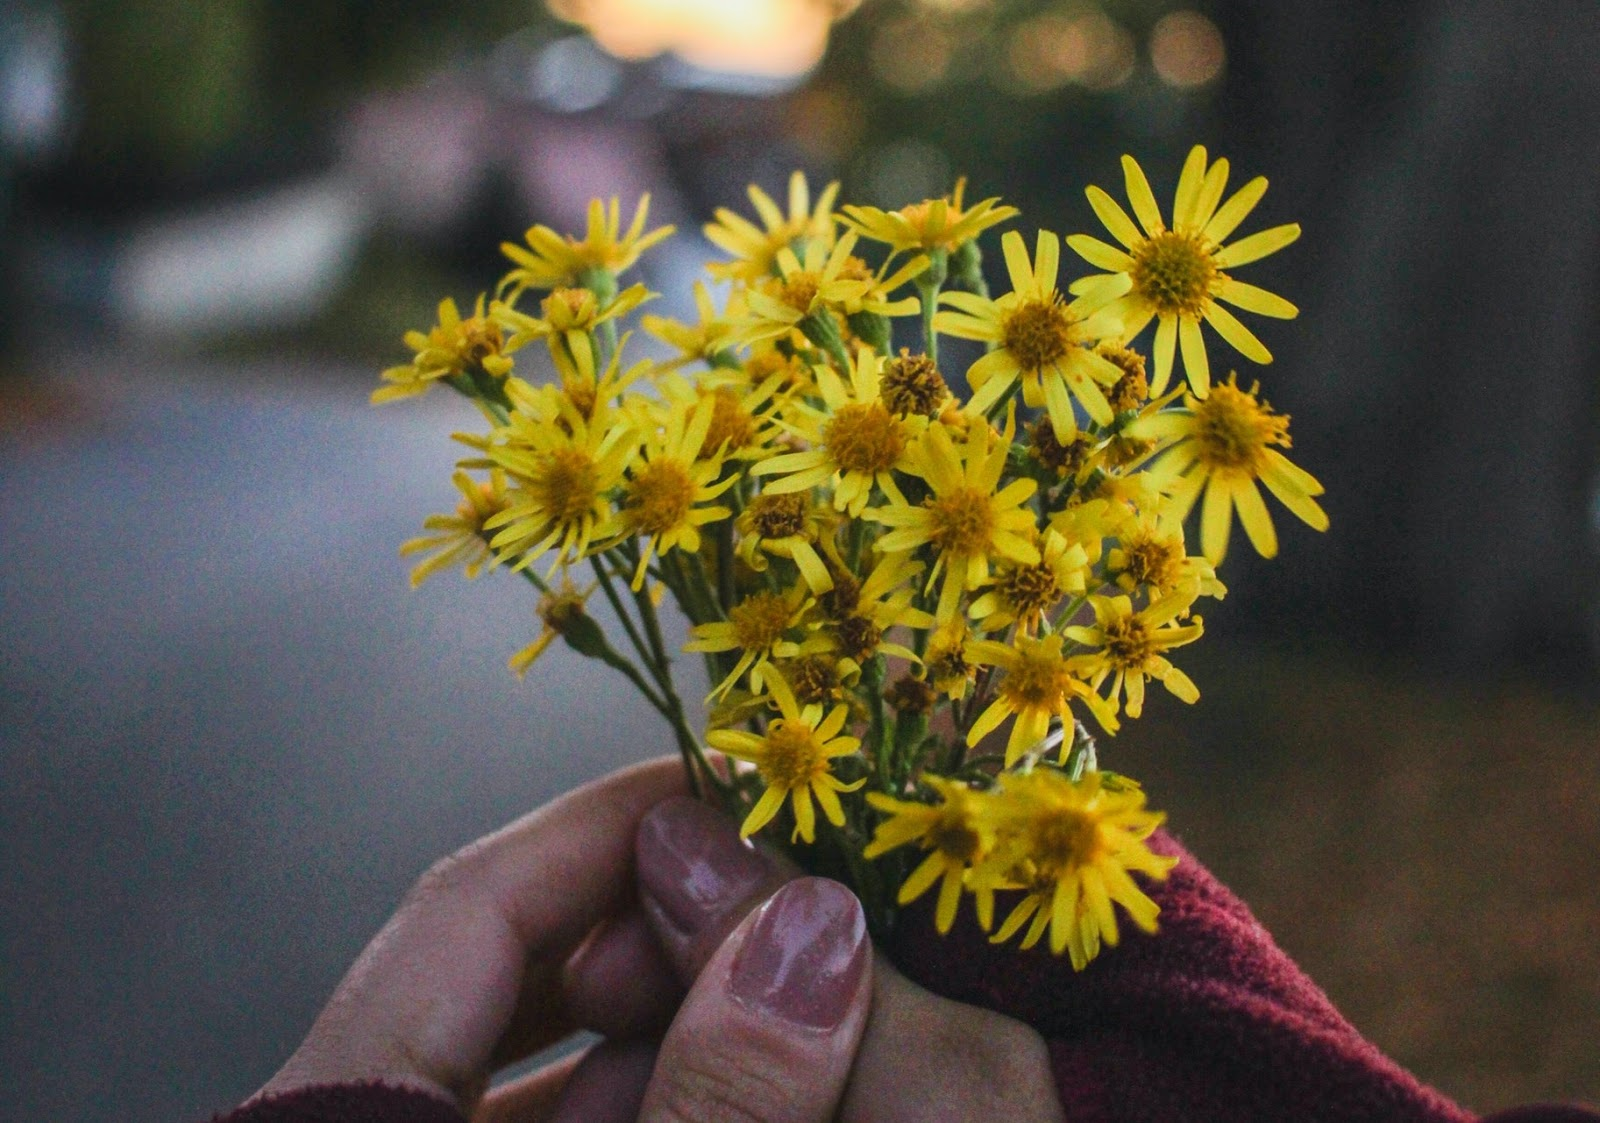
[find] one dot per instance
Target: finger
(922, 1057)
(609, 1086)
(529, 1099)
(698, 879)
(474, 954)
(769, 1029)
(619, 983)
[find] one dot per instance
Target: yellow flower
(758, 628)
(856, 442)
(707, 338)
(558, 611)
(454, 347)
(1025, 594)
(944, 663)
(785, 526)
(1072, 845)
(933, 224)
(553, 261)
(803, 288)
(1150, 555)
(570, 316)
(956, 833)
(1177, 274)
(1223, 445)
(563, 465)
(460, 538)
(742, 425)
(755, 249)
(1129, 646)
(667, 484)
(793, 759)
(861, 614)
(1037, 685)
(966, 519)
(912, 384)
(1038, 339)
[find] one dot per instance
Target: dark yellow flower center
(561, 610)
(814, 679)
(1129, 643)
(659, 496)
(480, 339)
(566, 485)
(912, 384)
(854, 269)
(732, 427)
(1175, 273)
(793, 757)
(1028, 589)
(1132, 389)
(1037, 332)
(777, 516)
(841, 600)
(952, 835)
(864, 438)
(962, 522)
(1233, 430)
(1063, 459)
(907, 695)
(858, 637)
(1157, 562)
(1063, 839)
(1038, 680)
(797, 290)
(760, 621)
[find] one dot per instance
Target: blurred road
(230, 735)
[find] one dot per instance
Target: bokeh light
(1053, 50)
(1187, 50)
(912, 55)
(770, 38)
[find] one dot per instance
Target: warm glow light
(912, 55)
(1186, 50)
(776, 38)
(958, 7)
(1049, 51)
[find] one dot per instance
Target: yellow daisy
(707, 339)
(1036, 686)
(944, 663)
(968, 519)
(454, 347)
(459, 539)
(551, 260)
(756, 249)
(1128, 646)
(1026, 594)
(1046, 343)
(956, 832)
(802, 290)
(793, 759)
(933, 224)
(1072, 845)
(742, 416)
(855, 441)
(786, 526)
(668, 483)
(1177, 275)
(861, 614)
(1223, 445)
(758, 627)
(1150, 555)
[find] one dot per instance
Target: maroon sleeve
(346, 1103)
(1206, 1020)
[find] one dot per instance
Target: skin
(483, 964)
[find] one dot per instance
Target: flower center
(1064, 839)
(794, 756)
(480, 339)
(864, 437)
(1037, 332)
(566, 309)
(731, 427)
(759, 621)
(1175, 273)
(1028, 589)
(566, 485)
(1133, 388)
(1063, 459)
(1039, 680)
(814, 679)
(561, 610)
(954, 837)
(659, 496)
(858, 637)
(798, 291)
(1233, 429)
(912, 384)
(963, 522)
(777, 516)
(1129, 644)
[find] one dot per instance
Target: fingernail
(803, 958)
(694, 865)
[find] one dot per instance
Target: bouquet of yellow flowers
(883, 567)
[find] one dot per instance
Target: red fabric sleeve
(1207, 1020)
(346, 1103)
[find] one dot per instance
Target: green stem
(627, 620)
(877, 730)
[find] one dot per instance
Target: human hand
(921, 1057)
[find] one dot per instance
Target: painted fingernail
(694, 865)
(803, 958)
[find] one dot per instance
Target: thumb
(770, 1029)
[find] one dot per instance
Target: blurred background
(230, 736)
